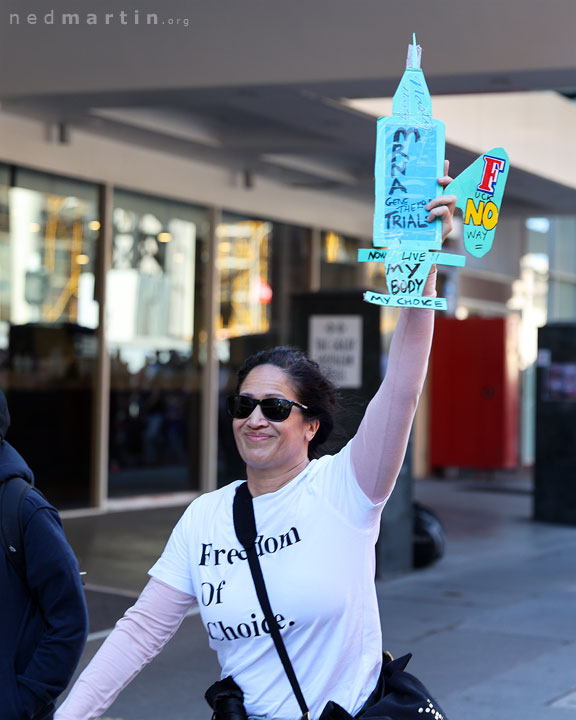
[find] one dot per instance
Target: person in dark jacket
(43, 619)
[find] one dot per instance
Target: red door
(474, 393)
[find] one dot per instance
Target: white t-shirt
(316, 538)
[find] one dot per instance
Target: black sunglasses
(274, 409)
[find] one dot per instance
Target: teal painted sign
(410, 147)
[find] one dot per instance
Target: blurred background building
(172, 177)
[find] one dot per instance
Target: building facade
(134, 282)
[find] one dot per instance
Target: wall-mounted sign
(335, 343)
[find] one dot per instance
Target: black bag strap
(245, 527)
(13, 491)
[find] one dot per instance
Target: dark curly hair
(312, 387)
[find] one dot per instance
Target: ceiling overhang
(258, 86)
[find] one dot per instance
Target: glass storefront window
(54, 230)
(530, 299)
(562, 302)
(244, 260)
(564, 257)
(339, 265)
(551, 254)
(48, 314)
(261, 265)
(244, 267)
(154, 303)
(538, 235)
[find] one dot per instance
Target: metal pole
(209, 411)
(101, 394)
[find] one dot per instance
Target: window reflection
(564, 257)
(50, 259)
(151, 285)
(339, 266)
(49, 231)
(261, 265)
(244, 266)
(151, 300)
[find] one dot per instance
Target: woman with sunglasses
(317, 521)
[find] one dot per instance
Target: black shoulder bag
(398, 695)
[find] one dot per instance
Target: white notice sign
(335, 343)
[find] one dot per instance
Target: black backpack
(13, 492)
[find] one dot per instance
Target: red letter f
(493, 166)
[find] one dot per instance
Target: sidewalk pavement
(492, 626)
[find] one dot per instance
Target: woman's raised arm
(378, 448)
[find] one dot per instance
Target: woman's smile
(257, 438)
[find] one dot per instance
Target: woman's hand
(443, 206)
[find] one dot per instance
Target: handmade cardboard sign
(409, 159)
(410, 149)
(479, 190)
